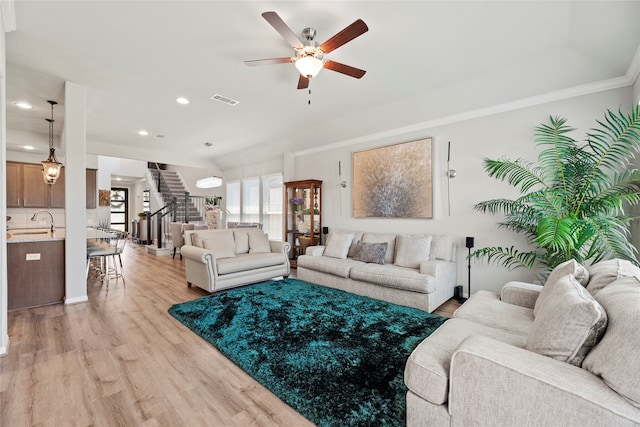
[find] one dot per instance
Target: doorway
(120, 209)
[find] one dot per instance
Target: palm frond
(519, 173)
(573, 204)
(510, 258)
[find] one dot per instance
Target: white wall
(508, 134)
(7, 23)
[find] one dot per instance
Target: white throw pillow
(259, 243)
(338, 245)
(569, 324)
(605, 272)
(615, 358)
(412, 250)
(241, 235)
(442, 247)
(572, 267)
(222, 245)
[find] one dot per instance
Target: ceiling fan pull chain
(309, 96)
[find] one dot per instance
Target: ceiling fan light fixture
(309, 66)
(209, 182)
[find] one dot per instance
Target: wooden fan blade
(270, 61)
(303, 82)
(346, 35)
(278, 24)
(344, 69)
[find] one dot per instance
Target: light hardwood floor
(122, 360)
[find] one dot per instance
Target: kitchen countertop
(22, 235)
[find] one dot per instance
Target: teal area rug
(335, 357)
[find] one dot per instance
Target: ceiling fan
(309, 55)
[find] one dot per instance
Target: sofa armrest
(195, 253)
(281, 247)
(520, 293)
(493, 383)
(443, 271)
(315, 250)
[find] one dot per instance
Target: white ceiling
(424, 60)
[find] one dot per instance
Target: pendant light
(209, 181)
(51, 167)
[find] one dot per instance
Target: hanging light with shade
(51, 167)
(209, 181)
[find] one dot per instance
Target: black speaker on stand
(469, 241)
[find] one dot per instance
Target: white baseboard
(4, 350)
(153, 250)
(76, 300)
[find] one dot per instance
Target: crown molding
(8, 11)
(572, 92)
(634, 68)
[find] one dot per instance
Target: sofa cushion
(357, 237)
(223, 245)
(259, 243)
(427, 370)
(241, 236)
(485, 307)
(335, 266)
(338, 245)
(572, 267)
(392, 276)
(411, 250)
(606, 272)
(245, 262)
(615, 357)
(370, 252)
(568, 324)
(388, 238)
(442, 248)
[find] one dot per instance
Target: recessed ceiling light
(143, 132)
(24, 105)
(28, 147)
(182, 100)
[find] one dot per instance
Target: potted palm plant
(574, 201)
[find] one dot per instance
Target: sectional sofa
(562, 354)
(221, 259)
(415, 270)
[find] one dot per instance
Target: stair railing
(159, 218)
(162, 183)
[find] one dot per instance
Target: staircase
(169, 187)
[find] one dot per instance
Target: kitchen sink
(22, 233)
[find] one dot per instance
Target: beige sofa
(412, 270)
(220, 259)
(558, 355)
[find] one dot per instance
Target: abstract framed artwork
(393, 181)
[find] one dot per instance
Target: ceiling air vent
(224, 99)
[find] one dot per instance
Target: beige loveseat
(558, 355)
(412, 270)
(219, 259)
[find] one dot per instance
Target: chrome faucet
(53, 224)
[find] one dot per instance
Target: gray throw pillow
(568, 324)
(370, 252)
